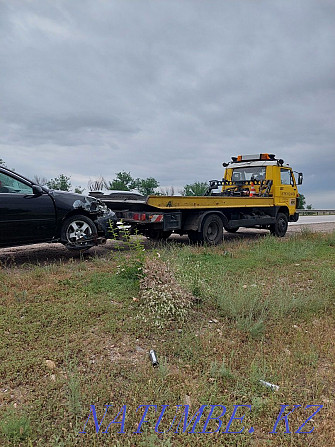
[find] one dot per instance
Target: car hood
(78, 201)
(66, 195)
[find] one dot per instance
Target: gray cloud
(167, 89)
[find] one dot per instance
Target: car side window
(285, 177)
(10, 185)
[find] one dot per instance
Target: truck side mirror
(300, 178)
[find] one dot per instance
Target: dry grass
(83, 317)
(162, 300)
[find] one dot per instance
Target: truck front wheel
(280, 227)
(212, 230)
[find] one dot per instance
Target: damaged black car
(30, 213)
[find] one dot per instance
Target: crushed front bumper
(107, 225)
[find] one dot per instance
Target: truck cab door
(287, 189)
(24, 216)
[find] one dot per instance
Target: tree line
(124, 181)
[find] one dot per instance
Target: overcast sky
(168, 88)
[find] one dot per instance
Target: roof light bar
(270, 157)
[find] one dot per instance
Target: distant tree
(97, 185)
(301, 202)
(309, 207)
(3, 164)
(145, 186)
(195, 189)
(40, 180)
(122, 182)
(125, 182)
(61, 183)
(168, 191)
(79, 190)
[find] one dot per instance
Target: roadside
(48, 253)
(253, 310)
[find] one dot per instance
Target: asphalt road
(307, 220)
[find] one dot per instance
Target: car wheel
(212, 230)
(280, 227)
(79, 233)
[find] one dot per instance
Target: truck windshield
(249, 173)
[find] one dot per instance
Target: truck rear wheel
(212, 230)
(280, 227)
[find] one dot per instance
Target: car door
(24, 216)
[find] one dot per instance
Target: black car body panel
(31, 214)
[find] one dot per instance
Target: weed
(15, 427)
(259, 404)
(220, 370)
(308, 359)
(21, 297)
(162, 299)
(130, 267)
(163, 368)
(73, 384)
(254, 328)
(330, 239)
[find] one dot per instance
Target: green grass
(261, 309)
(15, 427)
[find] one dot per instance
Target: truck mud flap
(294, 218)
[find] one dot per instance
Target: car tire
(79, 233)
(279, 228)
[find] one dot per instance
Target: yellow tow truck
(257, 191)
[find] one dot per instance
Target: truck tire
(280, 227)
(212, 230)
(75, 230)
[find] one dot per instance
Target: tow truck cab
(268, 176)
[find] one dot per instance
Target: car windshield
(248, 173)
